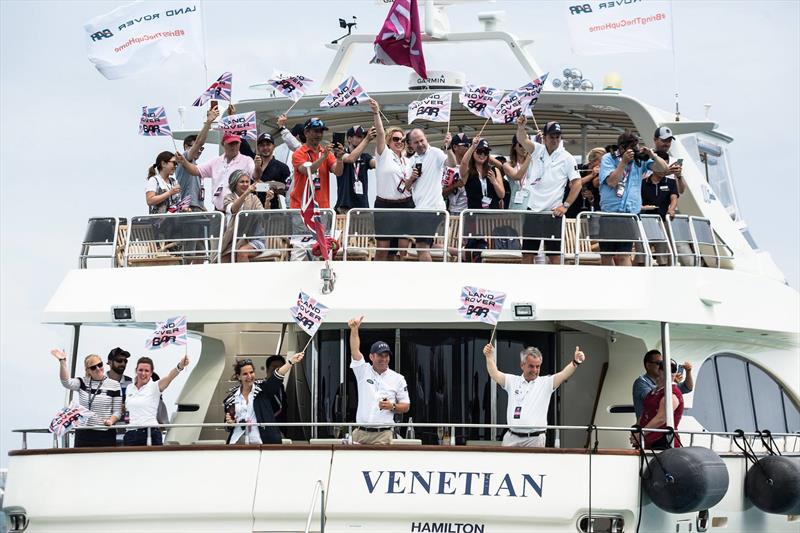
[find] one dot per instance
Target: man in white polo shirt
(381, 392)
(529, 394)
(549, 171)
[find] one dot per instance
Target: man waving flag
(400, 42)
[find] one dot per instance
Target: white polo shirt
(528, 401)
(427, 190)
(547, 177)
(142, 403)
(390, 170)
(374, 387)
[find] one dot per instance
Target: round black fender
(773, 485)
(685, 480)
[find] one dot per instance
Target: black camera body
(639, 155)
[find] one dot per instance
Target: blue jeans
(138, 437)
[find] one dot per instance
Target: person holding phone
(325, 160)
(654, 410)
(391, 170)
(352, 182)
(269, 169)
(242, 197)
(662, 141)
(648, 381)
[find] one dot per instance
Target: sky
(86, 159)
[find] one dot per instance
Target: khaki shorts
(372, 437)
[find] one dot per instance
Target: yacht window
(714, 161)
(724, 398)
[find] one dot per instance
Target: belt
(403, 201)
(530, 434)
(374, 430)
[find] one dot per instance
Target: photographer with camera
(621, 192)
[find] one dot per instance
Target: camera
(639, 155)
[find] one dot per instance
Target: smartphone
(418, 166)
(262, 186)
(338, 137)
(681, 370)
(679, 162)
(214, 104)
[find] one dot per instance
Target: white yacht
(718, 302)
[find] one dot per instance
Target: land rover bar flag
(482, 305)
(171, 331)
(140, 36)
(400, 41)
(599, 27)
(292, 86)
(308, 313)
(219, 90)
(153, 122)
(347, 94)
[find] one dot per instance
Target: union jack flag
(309, 210)
(219, 90)
(154, 122)
(530, 91)
(348, 93)
(185, 202)
(292, 86)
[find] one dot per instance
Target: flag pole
(173, 142)
(534, 121)
(491, 337)
(482, 127)
(306, 346)
(291, 107)
(385, 118)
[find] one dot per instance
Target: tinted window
(329, 408)
(706, 407)
(769, 404)
(737, 404)
(792, 415)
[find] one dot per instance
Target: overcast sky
(86, 159)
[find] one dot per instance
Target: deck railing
(786, 442)
(481, 235)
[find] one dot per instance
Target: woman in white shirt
(162, 191)
(250, 402)
(392, 176)
(142, 398)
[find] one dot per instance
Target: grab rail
(452, 426)
(318, 488)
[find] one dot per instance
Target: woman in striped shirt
(97, 393)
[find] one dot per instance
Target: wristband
(576, 362)
(290, 363)
(178, 367)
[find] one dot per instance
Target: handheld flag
(309, 211)
(308, 313)
(482, 305)
(219, 90)
(74, 415)
(518, 102)
(292, 86)
(480, 100)
(348, 93)
(140, 36)
(400, 41)
(185, 202)
(241, 125)
(435, 108)
(154, 122)
(171, 331)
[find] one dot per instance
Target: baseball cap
(315, 124)
(356, 131)
(461, 139)
(380, 347)
(265, 137)
(483, 146)
(552, 127)
(230, 138)
(663, 133)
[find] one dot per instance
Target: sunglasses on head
(98, 366)
(244, 362)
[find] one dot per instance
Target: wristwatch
(576, 362)
(566, 205)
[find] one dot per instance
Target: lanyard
(97, 391)
(484, 185)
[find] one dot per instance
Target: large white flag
(140, 36)
(601, 27)
(435, 108)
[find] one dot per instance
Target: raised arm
(293, 360)
(353, 156)
(355, 340)
(518, 173)
(687, 385)
(463, 168)
(211, 116)
(291, 141)
(164, 382)
(568, 370)
(522, 134)
(380, 140)
(62, 364)
(191, 168)
(491, 366)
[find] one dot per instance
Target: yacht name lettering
(453, 483)
(154, 16)
(446, 527)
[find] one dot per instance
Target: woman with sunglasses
(162, 191)
(654, 410)
(142, 398)
(99, 394)
(242, 197)
(251, 402)
(392, 176)
(484, 183)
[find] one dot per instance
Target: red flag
(309, 210)
(400, 42)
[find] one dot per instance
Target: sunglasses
(244, 362)
(98, 366)
(482, 152)
(174, 162)
(398, 140)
